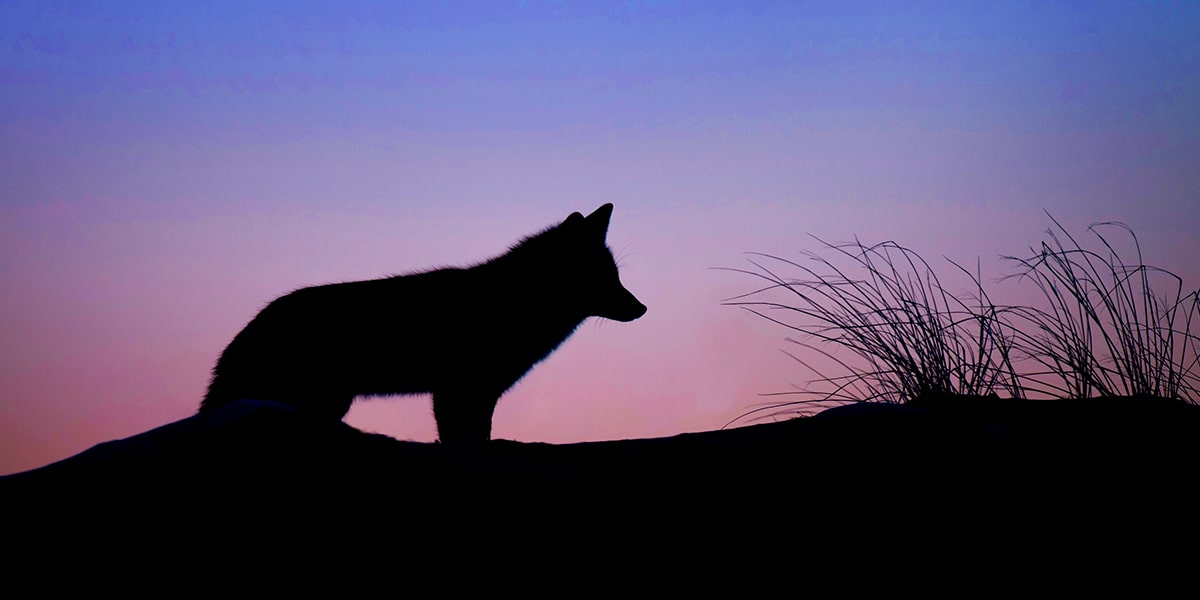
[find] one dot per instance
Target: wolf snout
(626, 309)
(631, 314)
(639, 311)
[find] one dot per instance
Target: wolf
(464, 335)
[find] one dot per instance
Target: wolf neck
(528, 283)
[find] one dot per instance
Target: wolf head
(595, 278)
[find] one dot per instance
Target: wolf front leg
(464, 417)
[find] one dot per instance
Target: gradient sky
(167, 168)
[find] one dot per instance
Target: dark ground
(874, 480)
(274, 453)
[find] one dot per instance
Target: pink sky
(168, 171)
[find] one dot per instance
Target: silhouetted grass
(1103, 332)
(885, 305)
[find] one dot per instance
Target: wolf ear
(599, 219)
(574, 220)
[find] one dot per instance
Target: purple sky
(168, 168)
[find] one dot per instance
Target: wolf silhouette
(466, 335)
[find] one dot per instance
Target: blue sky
(170, 167)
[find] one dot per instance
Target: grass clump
(1105, 331)
(905, 333)
(882, 318)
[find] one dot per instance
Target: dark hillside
(945, 459)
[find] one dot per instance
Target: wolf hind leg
(464, 418)
(328, 404)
